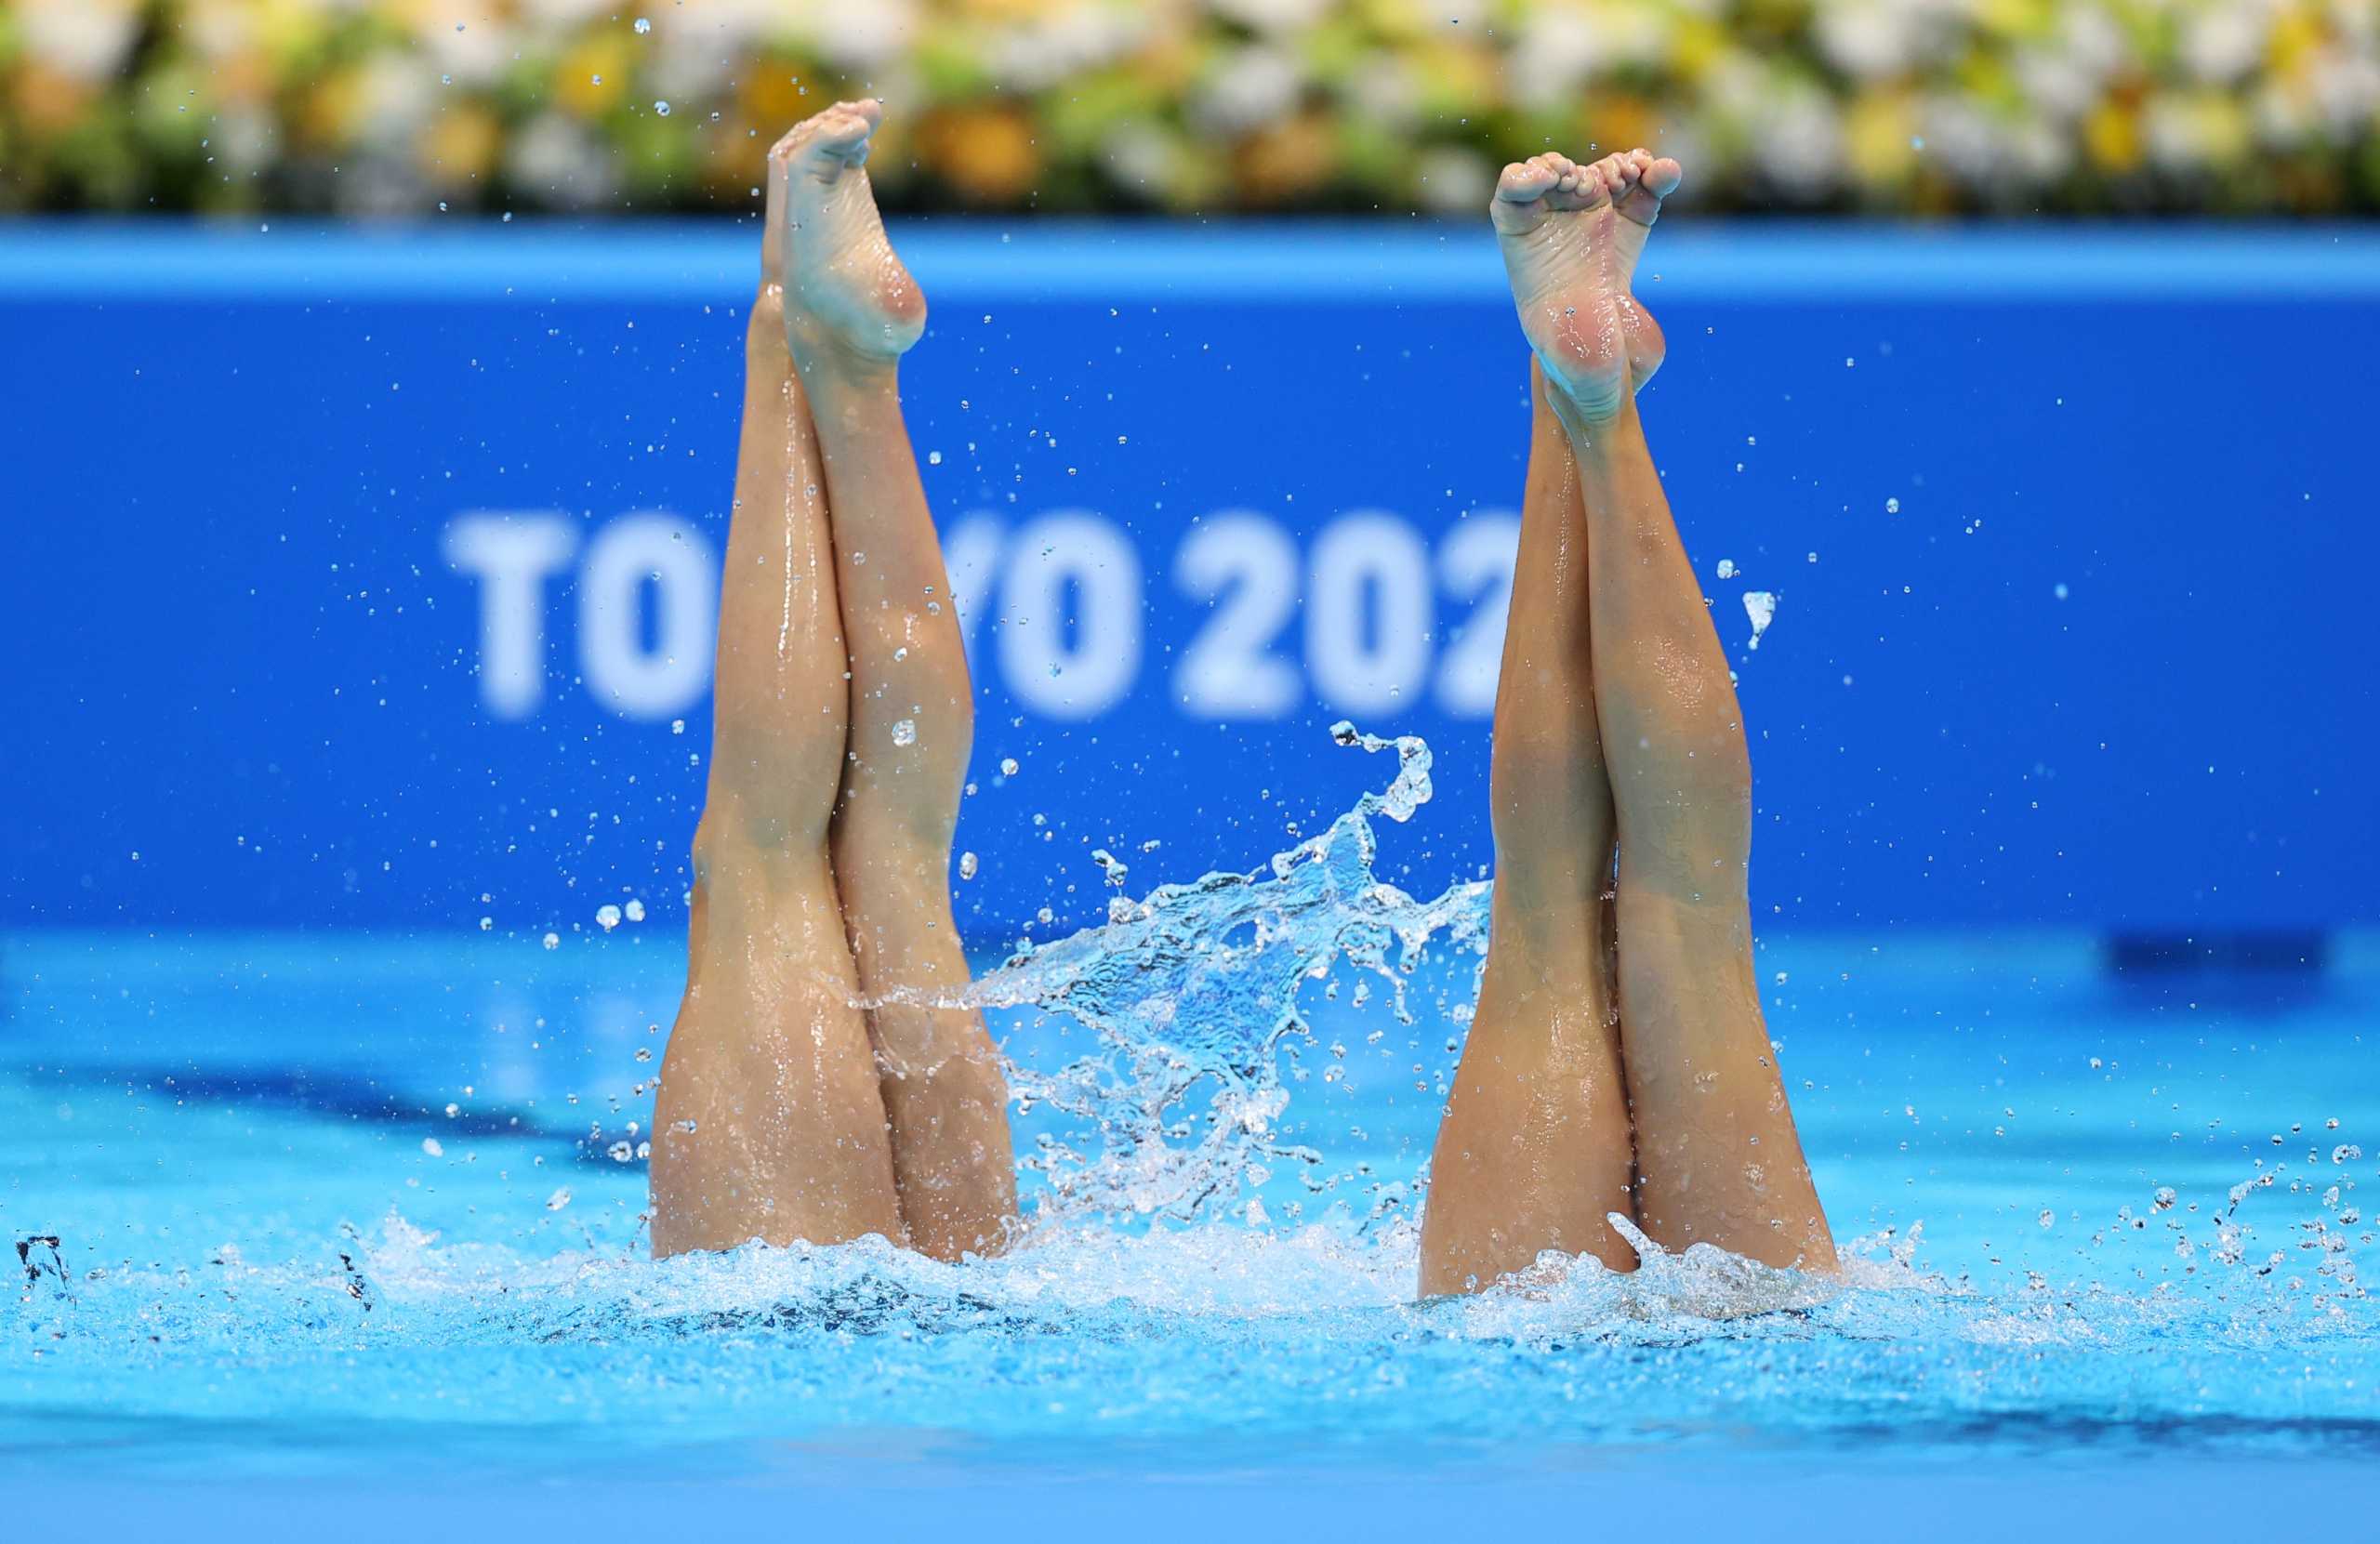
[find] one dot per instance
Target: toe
(1663, 175)
(1524, 182)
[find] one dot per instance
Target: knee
(1548, 793)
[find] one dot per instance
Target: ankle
(829, 361)
(1588, 419)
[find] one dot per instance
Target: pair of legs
(1618, 1063)
(813, 1090)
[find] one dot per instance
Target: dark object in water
(2306, 950)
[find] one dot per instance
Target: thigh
(1718, 1160)
(1534, 1151)
(769, 1124)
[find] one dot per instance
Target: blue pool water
(341, 1218)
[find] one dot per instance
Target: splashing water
(1759, 608)
(1151, 1298)
(1192, 993)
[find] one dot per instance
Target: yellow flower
(461, 143)
(328, 112)
(47, 101)
(593, 76)
(1700, 43)
(779, 92)
(986, 153)
(2297, 43)
(1877, 133)
(2111, 135)
(1286, 160)
(1618, 122)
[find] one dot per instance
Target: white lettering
(621, 673)
(511, 554)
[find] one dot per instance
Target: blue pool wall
(2072, 531)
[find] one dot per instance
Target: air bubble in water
(1759, 605)
(905, 732)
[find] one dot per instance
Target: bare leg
(1717, 1157)
(770, 1123)
(852, 312)
(1534, 1151)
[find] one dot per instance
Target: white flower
(2222, 42)
(1382, 89)
(474, 56)
(244, 138)
(1798, 142)
(2038, 154)
(557, 162)
(1554, 57)
(560, 15)
(1866, 39)
(1272, 16)
(1141, 157)
(858, 37)
(1452, 180)
(1079, 38)
(689, 67)
(218, 29)
(2347, 88)
(87, 39)
(2060, 85)
(2090, 39)
(397, 92)
(1256, 85)
(1962, 138)
(2172, 134)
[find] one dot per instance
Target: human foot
(845, 291)
(1571, 236)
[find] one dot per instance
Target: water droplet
(430, 1145)
(905, 732)
(1760, 606)
(642, 26)
(661, 108)
(1727, 569)
(967, 866)
(636, 911)
(607, 917)
(1892, 506)
(553, 941)
(1008, 766)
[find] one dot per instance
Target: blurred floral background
(1932, 106)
